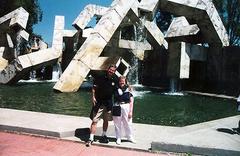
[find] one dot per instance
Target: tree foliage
(31, 6)
(229, 11)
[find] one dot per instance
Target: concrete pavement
(210, 138)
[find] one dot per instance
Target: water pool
(151, 107)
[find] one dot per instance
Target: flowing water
(140, 36)
(150, 107)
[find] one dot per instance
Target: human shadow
(229, 131)
(84, 133)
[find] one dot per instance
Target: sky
(70, 9)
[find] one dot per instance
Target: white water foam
(174, 93)
(140, 93)
(36, 81)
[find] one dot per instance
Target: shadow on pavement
(229, 131)
(82, 133)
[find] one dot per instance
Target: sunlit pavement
(12, 144)
(215, 137)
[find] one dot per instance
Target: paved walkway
(25, 145)
(211, 138)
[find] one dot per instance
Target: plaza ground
(216, 137)
(12, 144)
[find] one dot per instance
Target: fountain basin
(151, 106)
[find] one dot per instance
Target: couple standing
(104, 87)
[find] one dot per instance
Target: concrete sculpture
(24, 63)
(12, 28)
(13, 70)
(119, 10)
(197, 22)
(94, 45)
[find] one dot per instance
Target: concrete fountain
(81, 50)
(102, 44)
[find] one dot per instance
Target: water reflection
(151, 106)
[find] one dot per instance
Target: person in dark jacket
(103, 89)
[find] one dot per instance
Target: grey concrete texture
(209, 138)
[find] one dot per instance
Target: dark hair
(112, 65)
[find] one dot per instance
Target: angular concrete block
(1, 51)
(91, 50)
(178, 22)
(87, 14)
(220, 29)
(85, 58)
(25, 61)
(134, 45)
(133, 16)
(204, 4)
(180, 28)
(102, 63)
(154, 34)
(135, 8)
(24, 34)
(122, 68)
(212, 12)
(57, 48)
(184, 61)
(148, 8)
(73, 76)
(57, 37)
(5, 18)
(7, 74)
(108, 24)
(191, 3)
(3, 62)
(69, 33)
(173, 68)
(205, 15)
(19, 17)
(114, 42)
(190, 30)
(58, 33)
(36, 58)
(9, 41)
(42, 45)
(84, 17)
(122, 7)
(59, 23)
(178, 60)
(86, 32)
(7, 53)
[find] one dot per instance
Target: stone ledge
(161, 146)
